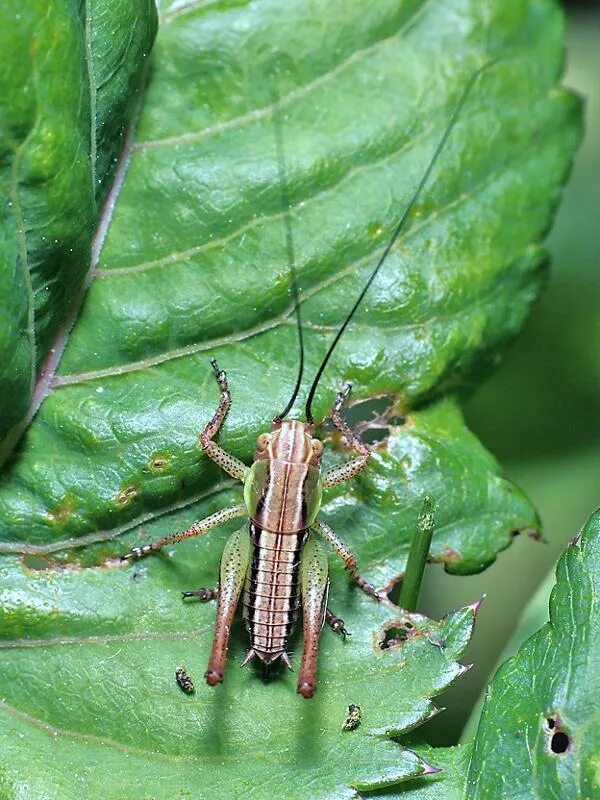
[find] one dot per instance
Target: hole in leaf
(369, 418)
(559, 742)
(394, 635)
(398, 631)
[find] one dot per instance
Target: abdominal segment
(271, 596)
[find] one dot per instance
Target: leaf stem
(417, 557)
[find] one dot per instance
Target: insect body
(276, 563)
(185, 683)
(353, 717)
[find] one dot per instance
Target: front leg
(343, 472)
(347, 556)
(197, 529)
(232, 465)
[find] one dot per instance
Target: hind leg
(234, 566)
(314, 583)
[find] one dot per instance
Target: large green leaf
(105, 717)
(192, 265)
(539, 729)
(68, 81)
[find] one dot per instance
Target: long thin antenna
(447, 131)
(289, 242)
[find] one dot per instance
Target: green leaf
(535, 614)
(192, 265)
(538, 734)
(108, 710)
(71, 71)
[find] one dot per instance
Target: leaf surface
(538, 734)
(191, 266)
(69, 82)
(107, 710)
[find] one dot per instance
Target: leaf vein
(296, 94)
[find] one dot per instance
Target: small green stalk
(417, 558)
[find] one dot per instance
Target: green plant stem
(417, 558)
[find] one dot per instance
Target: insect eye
(263, 441)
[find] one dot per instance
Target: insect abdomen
(271, 596)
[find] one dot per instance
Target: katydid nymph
(276, 563)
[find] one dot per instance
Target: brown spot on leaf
(533, 533)
(448, 555)
(159, 462)
(63, 510)
(127, 494)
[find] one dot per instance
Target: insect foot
(369, 589)
(203, 595)
(220, 375)
(307, 689)
(137, 552)
(336, 624)
(341, 397)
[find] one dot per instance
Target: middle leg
(336, 624)
(197, 529)
(347, 556)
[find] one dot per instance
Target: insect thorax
(283, 489)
